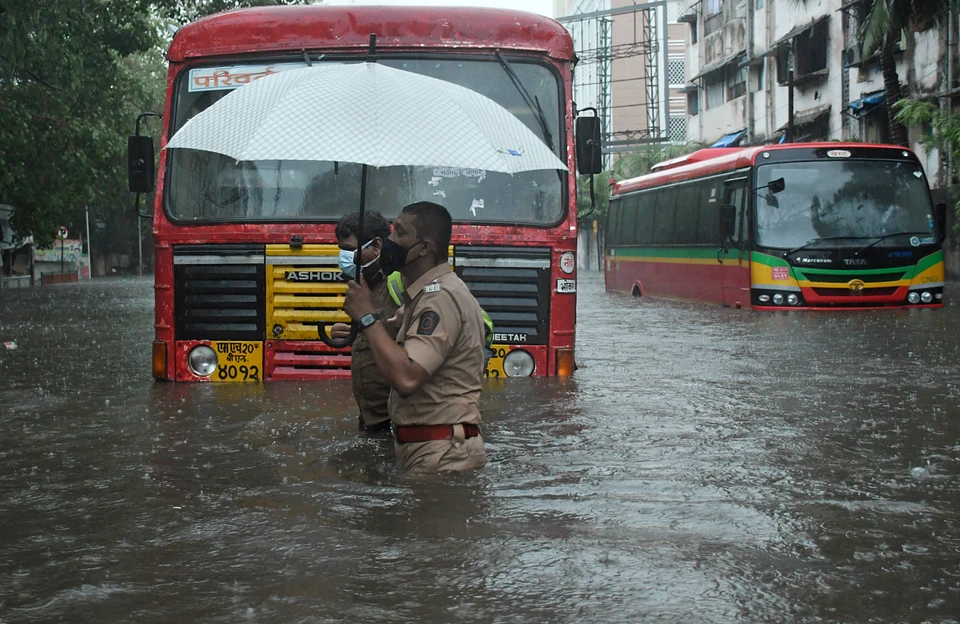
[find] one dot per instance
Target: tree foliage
(886, 22)
(74, 75)
(944, 127)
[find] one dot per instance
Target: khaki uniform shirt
(370, 387)
(442, 332)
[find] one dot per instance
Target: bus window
(666, 210)
(613, 223)
(628, 223)
(734, 195)
(685, 223)
(708, 216)
(646, 205)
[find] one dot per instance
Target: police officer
(435, 365)
(370, 387)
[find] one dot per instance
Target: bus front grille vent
(219, 292)
(512, 284)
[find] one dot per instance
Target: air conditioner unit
(853, 56)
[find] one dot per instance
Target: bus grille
(894, 275)
(304, 287)
(218, 292)
(866, 292)
(512, 284)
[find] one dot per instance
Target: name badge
(431, 288)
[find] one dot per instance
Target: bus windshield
(207, 187)
(835, 200)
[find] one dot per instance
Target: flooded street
(703, 465)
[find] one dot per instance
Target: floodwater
(703, 465)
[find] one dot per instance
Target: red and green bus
(245, 252)
(792, 226)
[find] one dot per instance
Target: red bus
(246, 258)
(795, 226)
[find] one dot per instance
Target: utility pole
(790, 106)
(139, 248)
(86, 211)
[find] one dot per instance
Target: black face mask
(393, 256)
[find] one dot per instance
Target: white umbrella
(369, 114)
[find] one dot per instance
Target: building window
(736, 81)
(678, 129)
(693, 102)
(713, 85)
(811, 49)
(713, 6)
(675, 72)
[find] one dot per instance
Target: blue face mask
(348, 263)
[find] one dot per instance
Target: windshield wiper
(532, 103)
(820, 240)
(886, 236)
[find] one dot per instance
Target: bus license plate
(494, 368)
(566, 286)
(238, 361)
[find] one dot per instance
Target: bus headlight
(792, 299)
(913, 297)
(763, 298)
(202, 361)
(926, 297)
(518, 363)
(778, 299)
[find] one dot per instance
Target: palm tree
(885, 25)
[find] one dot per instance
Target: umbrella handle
(336, 344)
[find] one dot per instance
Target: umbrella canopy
(365, 113)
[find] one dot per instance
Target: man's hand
(397, 319)
(358, 300)
(340, 331)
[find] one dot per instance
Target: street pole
(790, 106)
(140, 248)
(61, 256)
(86, 211)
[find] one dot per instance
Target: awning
(687, 88)
(727, 60)
(867, 102)
(799, 29)
(808, 116)
(730, 140)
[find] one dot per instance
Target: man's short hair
(374, 226)
(432, 221)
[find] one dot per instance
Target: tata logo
(815, 260)
(509, 337)
(856, 286)
(855, 261)
(314, 276)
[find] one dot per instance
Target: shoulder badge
(431, 288)
(428, 322)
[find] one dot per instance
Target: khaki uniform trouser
(451, 455)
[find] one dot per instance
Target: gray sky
(543, 7)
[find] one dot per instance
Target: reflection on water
(703, 465)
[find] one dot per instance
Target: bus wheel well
(637, 291)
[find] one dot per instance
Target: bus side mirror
(589, 157)
(140, 174)
(940, 214)
(728, 221)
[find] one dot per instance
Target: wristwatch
(368, 319)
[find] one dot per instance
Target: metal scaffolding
(616, 47)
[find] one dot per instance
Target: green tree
(74, 74)
(886, 23)
(944, 127)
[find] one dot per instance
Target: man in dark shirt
(370, 386)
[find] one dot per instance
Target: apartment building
(758, 68)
